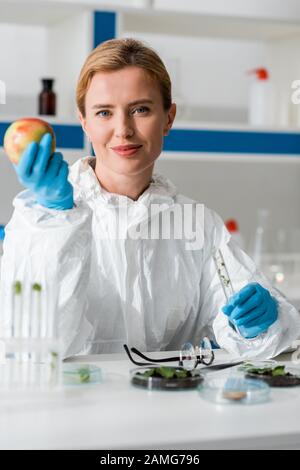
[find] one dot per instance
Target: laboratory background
(234, 146)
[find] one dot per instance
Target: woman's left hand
(252, 310)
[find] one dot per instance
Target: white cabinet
(31, 52)
(208, 47)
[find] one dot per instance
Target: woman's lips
(126, 150)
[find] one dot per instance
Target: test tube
(17, 309)
(223, 274)
(30, 327)
(224, 279)
(35, 310)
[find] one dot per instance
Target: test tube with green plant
(36, 310)
(17, 309)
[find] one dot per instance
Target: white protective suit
(153, 294)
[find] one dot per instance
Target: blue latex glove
(252, 310)
(46, 175)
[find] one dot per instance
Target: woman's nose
(124, 128)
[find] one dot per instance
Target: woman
(90, 234)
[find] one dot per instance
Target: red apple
(23, 131)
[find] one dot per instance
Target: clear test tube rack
(30, 349)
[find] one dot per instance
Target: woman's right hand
(46, 175)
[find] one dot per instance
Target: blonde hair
(116, 54)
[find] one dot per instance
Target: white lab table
(117, 415)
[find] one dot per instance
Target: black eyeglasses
(189, 356)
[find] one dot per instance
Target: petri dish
(257, 364)
(234, 389)
(81, 374)
(290, 379)
(176, 378)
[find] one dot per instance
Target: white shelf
(43, 13)
(256, 20)
(57, 50)
(219, 126)
(205, 25)
(49, 12)
(178, 124)
(269, 10)
(51, 119)
(210, 49)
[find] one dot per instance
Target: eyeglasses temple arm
(132, 360)
(169, 359)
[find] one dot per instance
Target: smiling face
(125, 120)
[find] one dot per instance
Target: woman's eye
(141, 110)
(103, 113)
(106, 113)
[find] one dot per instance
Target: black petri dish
(163, 383)
(277, 381)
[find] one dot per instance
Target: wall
(40, 52)
(10, 187)
(238, 186)
(68, 41)
(215, 85)
(23, 64)
(232, 188)
(208, 74)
